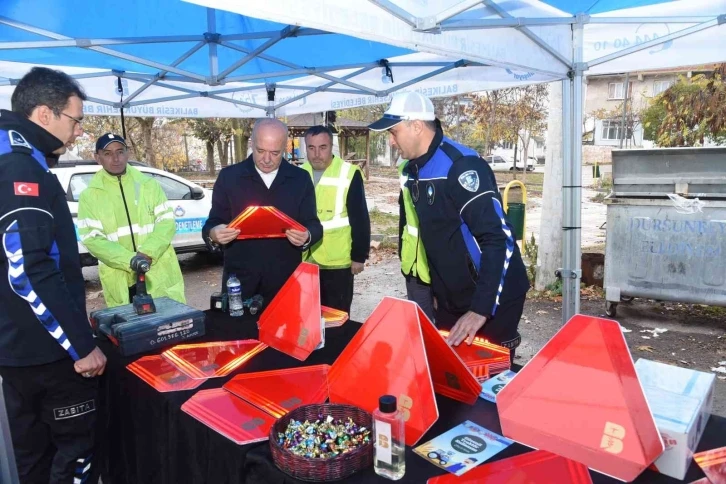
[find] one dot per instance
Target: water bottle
(234, 296)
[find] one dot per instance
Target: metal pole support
(270, 100)
(572, 104)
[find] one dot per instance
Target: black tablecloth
(146, 438)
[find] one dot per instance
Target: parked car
(191, 202)
(499, 163)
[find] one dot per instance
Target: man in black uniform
(477, 273)
(263, 265)
(48, 358)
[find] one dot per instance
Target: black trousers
(422, 295)
(501, 330)
(52, 414)
(336, 288)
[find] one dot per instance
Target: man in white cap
(476, 271)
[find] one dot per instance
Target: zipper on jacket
(128, 217)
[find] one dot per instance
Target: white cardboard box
(494, 385)
(680, 400)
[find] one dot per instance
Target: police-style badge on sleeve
(16, 139)
(469, 180)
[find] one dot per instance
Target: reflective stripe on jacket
(103, 226)
(331, 194)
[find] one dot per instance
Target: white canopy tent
(200, 62)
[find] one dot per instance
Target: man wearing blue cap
(123, 214)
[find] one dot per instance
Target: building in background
(605, 97)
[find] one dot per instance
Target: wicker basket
(322, 470)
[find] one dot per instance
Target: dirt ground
(690, 336)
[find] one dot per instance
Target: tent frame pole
(398, 12)
(213, 38)
(324, 87)
(454, 65)
(530, 35)
(162, 73)
(291, 65)
(283, 34)
(572, 103)
(660, 40)
(519, 22)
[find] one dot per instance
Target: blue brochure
(462, 448)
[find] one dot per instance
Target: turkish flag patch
(26, 189)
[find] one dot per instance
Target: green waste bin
(515, 214)
(596, 171)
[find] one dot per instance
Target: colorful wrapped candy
(324, 438)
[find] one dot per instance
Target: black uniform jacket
(474, 261)
(42, 294)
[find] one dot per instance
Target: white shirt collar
(268, 178)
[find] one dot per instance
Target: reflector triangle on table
(333, 317)
(449, 373)
(387, 356)
(292, 322)
(162, 375)
(484, 359)
(232, 417)
(538, 467)
(713, 464)
(580, 398)
(212, 360)
(279, 391)
(263, 222)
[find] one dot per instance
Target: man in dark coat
(263, 179)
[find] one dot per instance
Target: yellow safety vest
(413, 255)
(331, 194)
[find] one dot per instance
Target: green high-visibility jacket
(413, 256)
(103, 227)
(331, 193)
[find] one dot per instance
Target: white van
(191, 202)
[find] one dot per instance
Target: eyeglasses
(79, 121)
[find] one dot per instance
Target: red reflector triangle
(162, 375)
(292, 322)
(212, 360)
(449, 373)
(580, 398)
(398, 352)
(538, 467)
(713, 464)
(484, 359)
(333, 317)
(279, 391)
(387, 356)
(262, 223)
(232, 417)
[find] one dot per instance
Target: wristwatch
(307, 243)
(212, 243)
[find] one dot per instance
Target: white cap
(405, 106)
